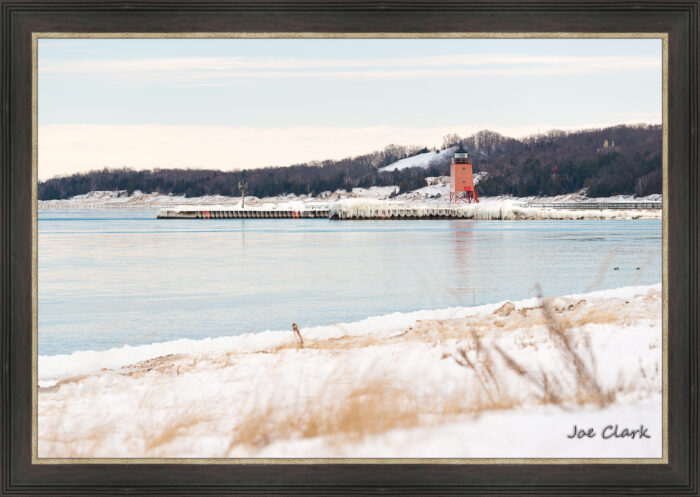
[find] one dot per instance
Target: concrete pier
(262, 212)
(594, 205)
(408, 211)
(357, 209)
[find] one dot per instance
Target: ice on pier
(486, 210)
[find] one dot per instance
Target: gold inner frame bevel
(245, 461)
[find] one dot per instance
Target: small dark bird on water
(616, 268)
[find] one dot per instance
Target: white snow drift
(399, 385)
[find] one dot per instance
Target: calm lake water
(116, 277)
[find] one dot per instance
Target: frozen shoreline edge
(53, 368)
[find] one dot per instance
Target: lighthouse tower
(462, 179)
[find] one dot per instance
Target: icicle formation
(486, 210)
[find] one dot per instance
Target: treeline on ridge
(620, 160)
(610, 161)
(312, 178)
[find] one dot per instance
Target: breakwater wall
(362, 209)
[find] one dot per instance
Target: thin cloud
(396, 74)
(235, 63)
(197, 69)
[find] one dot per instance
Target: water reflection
(463, 260)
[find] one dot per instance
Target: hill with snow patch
(423, 160)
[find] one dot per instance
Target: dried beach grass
(372, 407)
(578, 363)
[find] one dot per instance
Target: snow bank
(137, 200)
(292, 205)
(57, 367)
(438, 189)
(500, 434)
(387, 386)
(437, 192)
(376, 192)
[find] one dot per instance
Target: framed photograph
(324, 248)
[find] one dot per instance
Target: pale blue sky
(323, 98)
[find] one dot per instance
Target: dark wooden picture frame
(19, 19)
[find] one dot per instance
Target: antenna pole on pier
(242, 185)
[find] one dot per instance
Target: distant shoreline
(437, 192)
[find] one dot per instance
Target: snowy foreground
(502, 380)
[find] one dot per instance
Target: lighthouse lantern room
(462, 179)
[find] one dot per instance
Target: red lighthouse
(462, 179)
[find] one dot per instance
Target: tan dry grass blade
(588, 389)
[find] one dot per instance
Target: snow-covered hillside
(420, 160)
